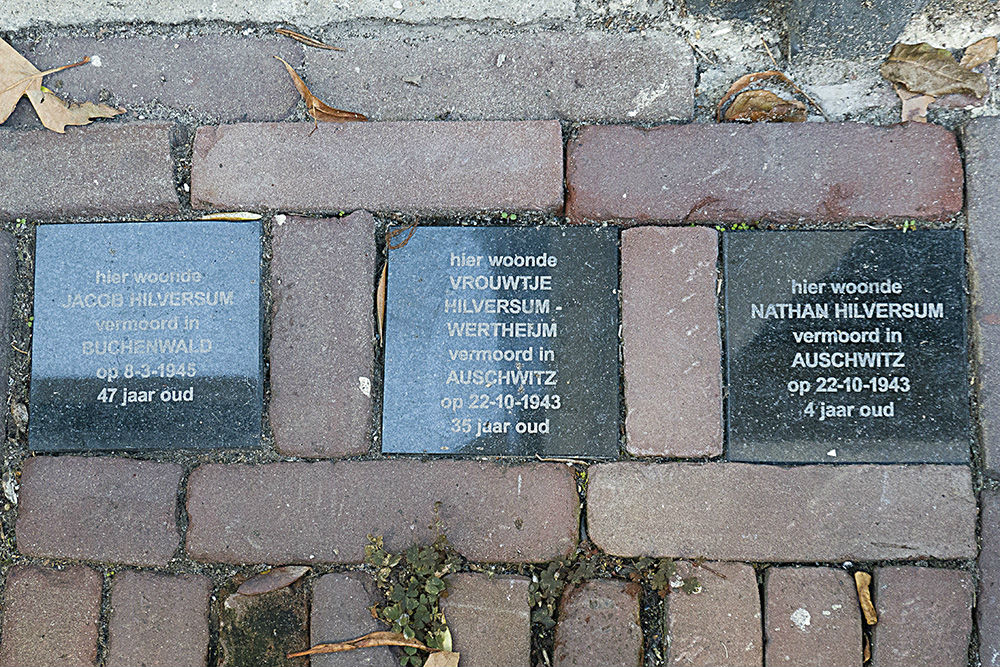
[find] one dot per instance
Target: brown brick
(50, 617)
(988, 602)
(489, 619)
(599, 625)
(737, 511)
(811, 617)
(670, 326)
(427, 167)
(924, 617)
(101, 509)
(720, 625)
(340, 611)
(263, 629)
(322, 335)
(107, 169)
(780, 172)
(158, 620)
(323, 512)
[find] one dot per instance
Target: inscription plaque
(503, 341)
(146, 336)
(847, 346)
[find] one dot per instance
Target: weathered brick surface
(489, 619)
(924, 617)
(719, 625)
(408, 73)
(158, 620)
(323, 512)
(341, 611)
(988, 601)
(781, 172)
(599, 625)
(414, 166)
(50, 617)
(263, 629)
(119, 169)
(102, 509)
(670, 326)
(811, 617)
(737, 511)
(322, 274)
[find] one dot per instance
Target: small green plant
(508, 216)
(546, 586)
(737, 227)
(663, 577)
(21, 223)
(909, 225)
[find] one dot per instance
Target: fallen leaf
(380, 300)
(272, 580)
(863, 582)
(914, 105)
(979, 53)
(316, 107)
(236, 216)
(305, 39)
(747, 79)
(921, 68)
(372, 639)
(867, 651)
(442, 659)
(762, 105)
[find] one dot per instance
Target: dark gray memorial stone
(847, 346)
(503, 341)
(146, 336)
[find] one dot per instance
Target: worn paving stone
(457, 73)
(822, 172)
(340, 611)
(721, 625)
(417, 166)
(100, 509)
(599, 625)
(924, 617)
(489, 619)
(50, 617)
(670, 327)
(264, 629)
(106, 169)
(988, 600)
(158, 620)
(324, 512)
(848, 28)
(322, 352)
(811, 617)
(737, 511)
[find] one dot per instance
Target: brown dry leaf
(867, 651)
(863, 582)
(921, 68)
(380, 307)
(979, 53)
(442, 659)
(235, 216)
(914, 105)
(747, 79)
(316, 107)
(754, 106)
(370, 640)
(272, 580)
(305, 39)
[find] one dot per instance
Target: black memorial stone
(503, 341)
(146, 336)
(847, 347)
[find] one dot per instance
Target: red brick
(719, 625)
(779, 172)
(426, 167)
(158, 620)
(106, 169)
(489, 619)
(737, 511)
(323, 512)
(988, 601)
(341, 611)
(100, 509)
(811, 618)
(321, 337)
(50, 617)
(924, 617)
(599, 625)
(670, 326)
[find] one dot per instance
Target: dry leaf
(442, 659)
(272, 580)
(380, 300)
(914, 105)
(921, 68)
(867, 651)
(762, 105)
(305, 39)
(747, 79)
(316, 107)
(372, 639)
(979, 53)
(237, 216)
(863, 582)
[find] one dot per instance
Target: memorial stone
(503, 341)
(845, 346)
(146, 336)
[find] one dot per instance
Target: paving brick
(263, 629)
(924, 617)
(811, 617)
(50, 617)
(718, 626)
(340, 611)
(489, 619)
(158, 620)
(101, 509)
(427, 167)
(670, 326)
(322, 352)
(120, 170)
(765, 171)
(323, 512)
(988, 600)
(599, 625)
(464, 74)
(736, 511)
(847, 29)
